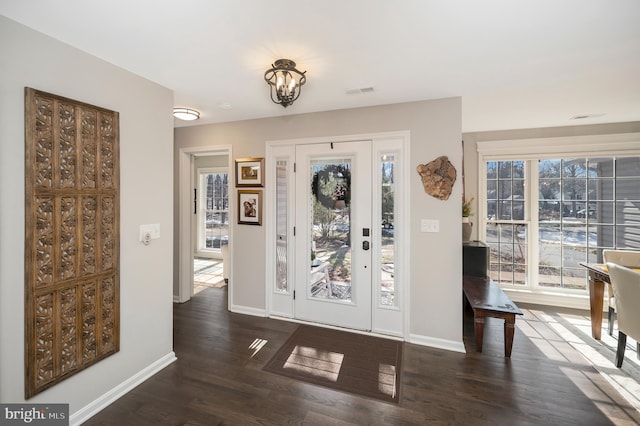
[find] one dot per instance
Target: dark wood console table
(488, 300)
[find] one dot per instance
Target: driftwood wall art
(72, 238)
(438, 177)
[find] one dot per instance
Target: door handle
(365, 245)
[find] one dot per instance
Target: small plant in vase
(467, 212)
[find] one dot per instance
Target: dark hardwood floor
(217, 379)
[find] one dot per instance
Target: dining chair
(626, 288)
(628, 258)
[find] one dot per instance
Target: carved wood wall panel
(72, 238)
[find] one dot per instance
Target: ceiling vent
(360, 90)
(583, 116)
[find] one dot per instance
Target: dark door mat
(349, 362)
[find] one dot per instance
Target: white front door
(334, 234)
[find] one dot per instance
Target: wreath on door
(341, 192)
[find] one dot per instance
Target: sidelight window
(387, 251)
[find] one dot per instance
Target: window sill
(573, 301)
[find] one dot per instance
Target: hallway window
(213, 210)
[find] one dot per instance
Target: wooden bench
(488, 300)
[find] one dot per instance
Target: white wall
(28, 58)
(436, 272)
(211, 161)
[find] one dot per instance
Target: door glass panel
(388, 247)
(331, 254)
(281, 226)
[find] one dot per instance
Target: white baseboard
(433, 342)
(176, 299)
(93, 408)
(248, 311)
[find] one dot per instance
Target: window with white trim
(213, 210)
(543, 213)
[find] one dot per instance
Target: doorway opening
(205, 207)
(212, 221)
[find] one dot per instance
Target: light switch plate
(430, 225)
(153, 229)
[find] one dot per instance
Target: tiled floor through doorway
(207, 273)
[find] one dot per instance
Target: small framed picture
(249, 207)
(249, 171)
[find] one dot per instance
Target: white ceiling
(516, 64)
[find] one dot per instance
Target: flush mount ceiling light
(186, 114)
(285, 81)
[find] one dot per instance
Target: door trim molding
(404, 136)
(185, 221)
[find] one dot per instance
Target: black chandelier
(285, 81)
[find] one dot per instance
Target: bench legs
(509, 330)
(479, 322)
